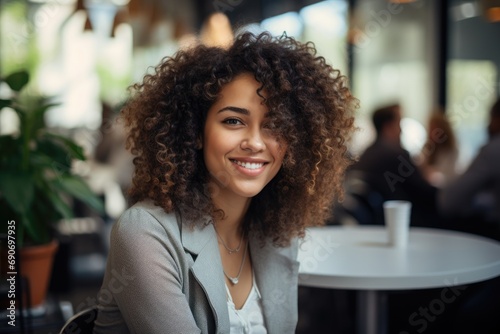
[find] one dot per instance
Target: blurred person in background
(474, 197)
(389, 170)
(439, 155)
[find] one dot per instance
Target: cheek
(216, 146)
(280, 150)
(209, 150)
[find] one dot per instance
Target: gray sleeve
(457, 198)
(144, 260)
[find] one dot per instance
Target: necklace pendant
(234, 280)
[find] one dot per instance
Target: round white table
(358, 257)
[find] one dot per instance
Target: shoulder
(289, 252)
(381, 153)
(488, 158)
(145, 218)
(383, 147)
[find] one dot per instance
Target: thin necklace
(230, 250)
(235, 280)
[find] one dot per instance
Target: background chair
(82, 322)
(362, 202)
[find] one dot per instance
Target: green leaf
(31, 119)
(17, 80)
(9, 146)
(76, 187)
(61, 207)
(38, 222)
(75, 150)
(53, 156)
(17, 188)
(38, 116)
(4, 103)
(37, 231)
(45, 163)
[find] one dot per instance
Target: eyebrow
(235, 109)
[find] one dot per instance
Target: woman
(440, 153)
(237, 151)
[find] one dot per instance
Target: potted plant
(37, 183)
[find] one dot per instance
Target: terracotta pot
(36, 265)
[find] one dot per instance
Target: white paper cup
(397, 222)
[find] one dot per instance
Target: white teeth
(249, 165)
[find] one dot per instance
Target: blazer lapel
(201, 241)
(277, 280)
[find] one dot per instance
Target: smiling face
(241, 154)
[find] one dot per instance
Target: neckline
(253, 291)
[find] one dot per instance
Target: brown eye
(232, 121)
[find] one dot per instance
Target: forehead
(243, 88)
(245, 79)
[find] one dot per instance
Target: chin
(248, 192)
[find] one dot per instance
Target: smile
(249, 165)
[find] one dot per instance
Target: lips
(249, 165)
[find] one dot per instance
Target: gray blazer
(164, 277)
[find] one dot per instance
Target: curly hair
(310, 108)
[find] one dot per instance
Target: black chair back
(81, 323)
(362, 201)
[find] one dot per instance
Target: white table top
(358, 257)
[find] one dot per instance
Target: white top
(250, 318)
(358, 257)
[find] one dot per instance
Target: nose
(253, 141)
